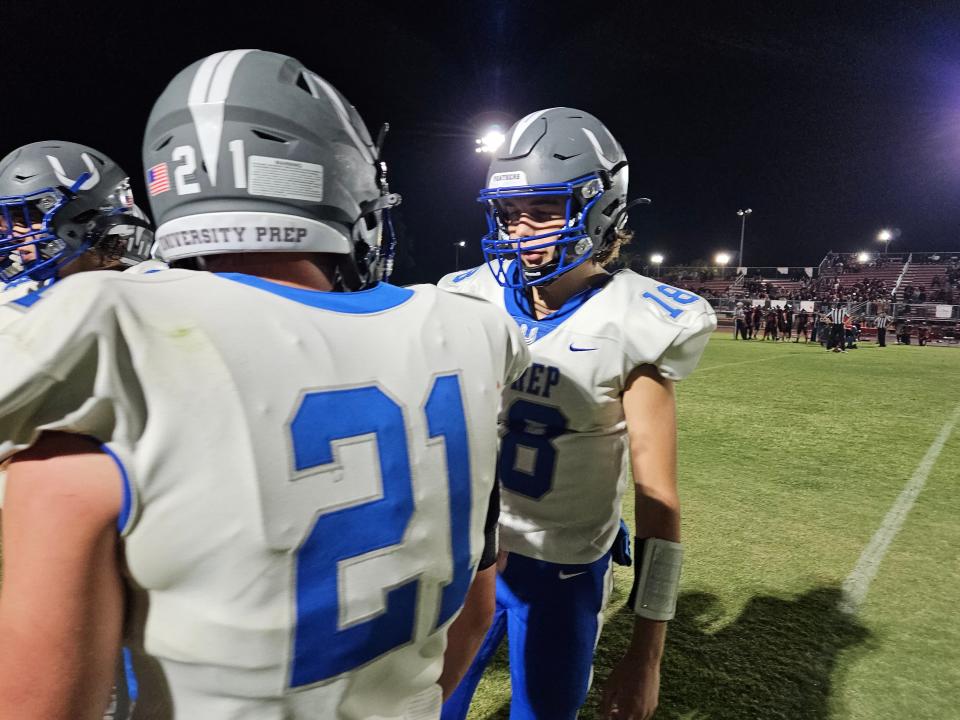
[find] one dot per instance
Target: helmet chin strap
(533, 274)
(578, 247)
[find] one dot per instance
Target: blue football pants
(552, 615)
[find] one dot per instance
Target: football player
(297, 479)
(64, 208)
(596, 403)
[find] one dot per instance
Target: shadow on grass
(776, 660)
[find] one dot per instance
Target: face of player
(532, 216)
(27, 253)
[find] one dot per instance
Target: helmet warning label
(288, 179)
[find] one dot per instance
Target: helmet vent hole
(85, 216)
(611, 208)
(163, 143)
(264, 135)
(304, 84)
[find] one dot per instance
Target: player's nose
(522, 229)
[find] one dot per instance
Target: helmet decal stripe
(201, 81)
(523, 125)
(208, 92)
(344, 117)
(62, 176)
(607, 164)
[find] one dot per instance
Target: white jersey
(306, 476)
(564, 455)
(15, 299)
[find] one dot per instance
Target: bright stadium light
(885, 236)
(491, 140)
(722, 258)
(863, 257)
(657, 259)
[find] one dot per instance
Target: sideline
(857, 583)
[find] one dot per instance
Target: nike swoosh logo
(577, 349)
(567, 576)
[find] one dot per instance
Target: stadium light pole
(456, 249)
(657, 259)
(743, 228)
(885, 236)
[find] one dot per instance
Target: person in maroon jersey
(781, 324)
(770, 329)
(802, 320)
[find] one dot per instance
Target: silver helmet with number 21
(249, 151)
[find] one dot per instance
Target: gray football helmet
(560, 152)
(249, 151)
(60, 199)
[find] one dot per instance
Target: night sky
(829, 123)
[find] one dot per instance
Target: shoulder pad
(478, 282)
(672, 305)
(665, 326)
(147, 266)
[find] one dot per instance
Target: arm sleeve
(490, 525)
(671, 344)
(66, 368)
(681, 357)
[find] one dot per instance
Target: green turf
(790, 457)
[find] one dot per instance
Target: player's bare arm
(466, 633)
(468, 630)
(633, 688)
(61, 605)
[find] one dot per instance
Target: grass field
(790, 459)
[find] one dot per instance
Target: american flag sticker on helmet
(158, 181)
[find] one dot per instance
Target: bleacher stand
(921, 288)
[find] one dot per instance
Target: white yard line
(858, 581)
(747, 362)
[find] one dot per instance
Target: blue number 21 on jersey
(322, 649)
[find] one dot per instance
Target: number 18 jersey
(306, 474)
(564, 451)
